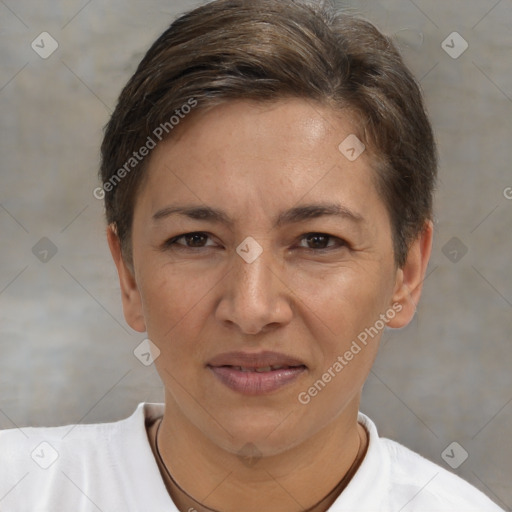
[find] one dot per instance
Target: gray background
(66, 352)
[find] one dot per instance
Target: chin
(271, 433)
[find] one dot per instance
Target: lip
(228, 369)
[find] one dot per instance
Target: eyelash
(172, 243)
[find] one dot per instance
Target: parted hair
(267, 50)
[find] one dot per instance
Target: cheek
(343, 302)
(345, 325)
(171, 300)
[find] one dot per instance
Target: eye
(199, 240)
(320, 241)
(189, 241)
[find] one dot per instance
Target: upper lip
(254, 360)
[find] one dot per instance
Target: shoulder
(44, 446)
(55, 466)
(393, 477)
(428, 486)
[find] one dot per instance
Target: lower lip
(256, 383)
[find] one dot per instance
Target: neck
(295, 479)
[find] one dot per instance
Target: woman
(268, 176)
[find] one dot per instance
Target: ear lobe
(132, 302)
(409, 280)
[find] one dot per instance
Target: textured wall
(66, 352)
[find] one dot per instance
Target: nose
(255, 296)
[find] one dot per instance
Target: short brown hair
(265, 50)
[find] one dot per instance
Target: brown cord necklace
(320, 506)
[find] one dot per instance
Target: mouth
(263, 369)
(257, 373)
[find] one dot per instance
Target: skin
(254, 161)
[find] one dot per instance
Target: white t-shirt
(110, 467)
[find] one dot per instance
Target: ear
(132, 302)
(409, 278)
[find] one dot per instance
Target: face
(261, 256)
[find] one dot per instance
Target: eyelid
(340, 241)
(173, 241)
(320, 234)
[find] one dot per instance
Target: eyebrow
(291, 216)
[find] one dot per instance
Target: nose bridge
(253, 276)
(254, 297)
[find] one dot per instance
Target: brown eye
(195, 239)
(189, 241)
(321, 241)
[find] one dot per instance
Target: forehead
(244, 153)
(281, 129)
